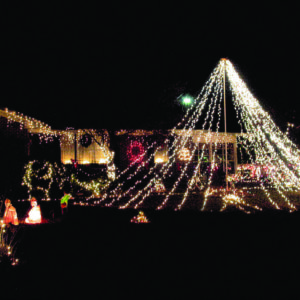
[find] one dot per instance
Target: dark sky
(123, 66)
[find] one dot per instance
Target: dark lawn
(94, 252)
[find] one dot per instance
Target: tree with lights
(265, 145)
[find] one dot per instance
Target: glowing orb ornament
(187, 100)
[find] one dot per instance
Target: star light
(187, 100)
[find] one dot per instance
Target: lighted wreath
(135, 151)
(85, 140)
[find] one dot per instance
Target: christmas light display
(95, 187)
(232, 199)
(211, 109)
(133, 189)
(84, 139)
(184, 155)
(7, 245)
(140, 218)
(111, 172)
(271, 146)
(274, 158)
(135, 151)
(45, 174)
(179, 143)
(117, 192)
(159, 186)
(92, 146)
(31, 124)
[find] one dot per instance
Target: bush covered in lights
(45, 180)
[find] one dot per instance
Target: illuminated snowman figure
(34, 215)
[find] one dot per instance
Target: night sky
(123, 65)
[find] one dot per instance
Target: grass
(8, 243)
(97, 249)
(195, 200)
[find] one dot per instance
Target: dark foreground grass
(95, 252)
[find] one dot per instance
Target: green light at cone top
(187, 100)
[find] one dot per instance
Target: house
(91, 146)
(191, 144)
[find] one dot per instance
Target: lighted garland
(47, 134)
(32, 125)
(95, 187)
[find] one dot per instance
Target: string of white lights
(116, 191)
(219, 96)
(190, 124)
(285, 145)
(134, 186)
(265, 138)
(209, 190)
(265, 144)
(202, 95)
(266, 159)
(241, 116)
(187, 133)
(211, 110)
(237, 106)
(251, 130)
(179, 142)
